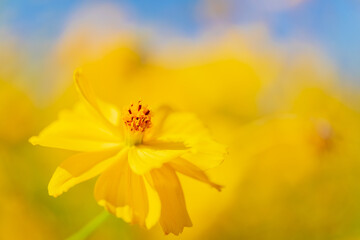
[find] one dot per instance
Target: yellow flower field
(182, 120)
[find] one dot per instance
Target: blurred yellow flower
(137, 152)
(300, 180)
(15, 126)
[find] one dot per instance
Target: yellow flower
(137, 154)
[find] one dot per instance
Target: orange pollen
(137, 118)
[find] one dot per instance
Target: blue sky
(335, 24)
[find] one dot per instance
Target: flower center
(137, 119)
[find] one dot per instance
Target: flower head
(137, 153)
(137, 119)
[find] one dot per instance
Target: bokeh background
(277, 81)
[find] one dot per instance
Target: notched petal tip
(107, 206)
(123, 212)
(177, 231)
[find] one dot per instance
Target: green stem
(89, 228)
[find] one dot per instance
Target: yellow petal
(187, 168)
(80, 168)
(107, 112)
(123, 193)
(158, 118)
(179, 126)
(187, 128)
(154, 206)
(174, 216)
(162, 145)
(206, 153)
(77, 130)
(143, 158)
